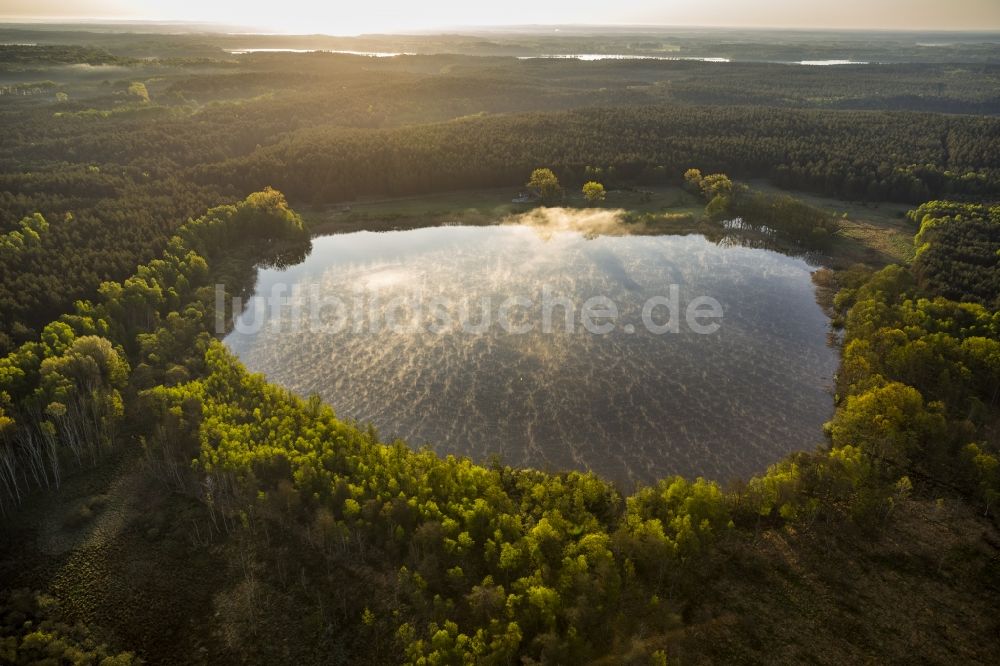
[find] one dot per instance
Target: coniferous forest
(160, 503)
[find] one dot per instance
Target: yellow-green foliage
(28, 235)
(930, 216)
(958, 251)
(889, 423)
(919, 375)
(544, 183)
(593, 191)
(63, 392)
(556, 548)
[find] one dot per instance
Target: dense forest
(844, 154)
(222, 518)
(957, 250)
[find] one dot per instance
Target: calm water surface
(631, 405)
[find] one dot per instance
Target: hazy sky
(334, 17)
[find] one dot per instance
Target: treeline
(490, 564)
(779, 215)
(12, 55)
(856, 155)
(886, 87)
(99, 227)
(922, 376)
(62, 395)
(958, 250)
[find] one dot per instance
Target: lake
(500, 341)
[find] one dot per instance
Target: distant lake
(616, 56)
(632, 403)
(823, 63)
(587, 57)
(371, 54)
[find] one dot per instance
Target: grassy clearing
(477, 207)
(870, 233)
(464, 207)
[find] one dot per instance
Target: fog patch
(590, 222)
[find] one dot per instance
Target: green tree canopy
(593, 191)
(544, 183)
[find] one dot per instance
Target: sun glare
(386, 16)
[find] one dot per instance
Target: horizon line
(446, 30)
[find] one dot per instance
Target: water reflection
(630, 404)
